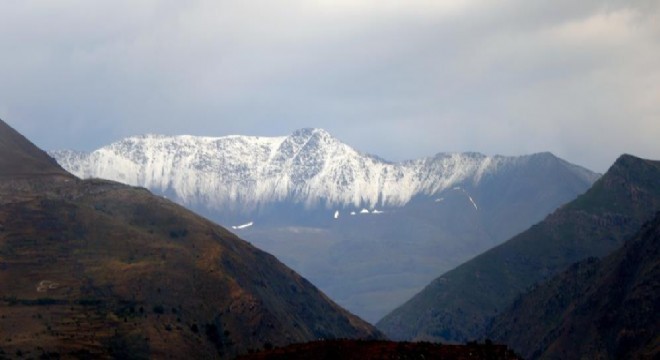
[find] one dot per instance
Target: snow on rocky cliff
(309, 167)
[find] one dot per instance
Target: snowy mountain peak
(311, 132)
(243, 173)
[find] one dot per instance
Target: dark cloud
(401, 79)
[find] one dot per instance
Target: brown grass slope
(102, 270)
(458, 305)
(607, 309)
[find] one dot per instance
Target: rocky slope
(93, 268)
(458, 305)
(309, 167)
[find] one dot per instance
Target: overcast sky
(400, 79)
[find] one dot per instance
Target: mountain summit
(98, 269)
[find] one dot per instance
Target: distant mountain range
(460, 304)
(369, 232)
(98, 269)
(309, 167)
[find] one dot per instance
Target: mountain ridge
(457, 305)
(309, 167)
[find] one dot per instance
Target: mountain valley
(459, 305)
(98, 269)
(370, 233)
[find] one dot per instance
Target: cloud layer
(401, 79)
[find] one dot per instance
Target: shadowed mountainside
(376, 350)
(458, 305)
(19, 157)
(98, 269)
(607, 309)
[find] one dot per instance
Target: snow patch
(458, 188)
(337, 214)
(239, 227)
(473, 203)
(364, 211)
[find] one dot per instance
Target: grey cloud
(399, 79)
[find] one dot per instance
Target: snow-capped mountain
(370, 233)
(309, 167)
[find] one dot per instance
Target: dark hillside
(99, 269)
(377, 350)
(607, 309)
(19, 157)
(458, 305)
